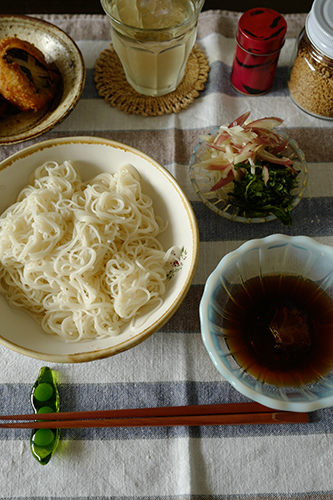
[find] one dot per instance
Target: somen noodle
(83, 258)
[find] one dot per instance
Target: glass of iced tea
(153, 39)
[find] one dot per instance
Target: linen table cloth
(172, 367)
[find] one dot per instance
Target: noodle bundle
(82, 258)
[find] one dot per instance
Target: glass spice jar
(260, 37)
(310, 78)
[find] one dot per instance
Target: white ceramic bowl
(59, 50)
(92, 156)
(274, 255)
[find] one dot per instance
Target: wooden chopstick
(184, 420)
(162, 411)
(193, 415)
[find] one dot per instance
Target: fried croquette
(3, 106)
(6, 108)
(26, 80)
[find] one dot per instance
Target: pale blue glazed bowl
(276, 254)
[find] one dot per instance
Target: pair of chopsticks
(218, 414)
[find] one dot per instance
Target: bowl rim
(58, 115)
(239, 218)
(238, 384)
(94, 354)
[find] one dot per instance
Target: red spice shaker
(260, 37)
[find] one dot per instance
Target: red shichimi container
(260, 37)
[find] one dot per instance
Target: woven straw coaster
(111, 84)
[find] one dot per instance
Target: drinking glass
(153, 40)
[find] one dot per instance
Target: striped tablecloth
(172, 367)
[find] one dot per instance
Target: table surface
(94, 6)
(172, 367)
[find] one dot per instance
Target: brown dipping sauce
(280, 330)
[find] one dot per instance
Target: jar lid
(319, 26)
(261, 31)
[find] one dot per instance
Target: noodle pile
(82, 258)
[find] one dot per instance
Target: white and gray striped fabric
(271, 462)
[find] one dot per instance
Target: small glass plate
(203, 180)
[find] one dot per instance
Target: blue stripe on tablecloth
(218, 81)
(80, 397)
(312, 217)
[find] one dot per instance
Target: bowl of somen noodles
(98, 249)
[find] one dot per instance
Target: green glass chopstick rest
(44, 399)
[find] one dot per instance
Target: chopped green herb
(259, 197)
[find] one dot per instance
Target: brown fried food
(3, 106)
(6, 108)
(26, 80)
